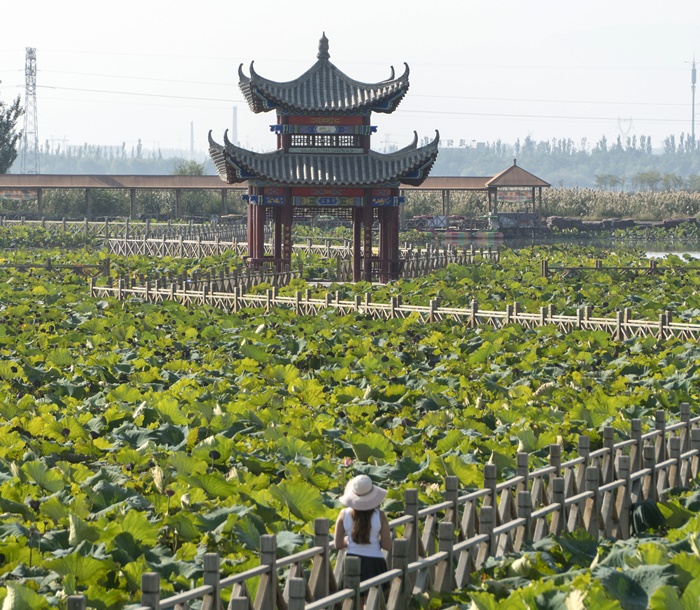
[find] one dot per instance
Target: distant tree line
(55, 158)
(626, 164)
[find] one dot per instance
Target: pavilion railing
(439, 547)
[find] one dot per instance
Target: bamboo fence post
(618, 326)
(555, 458)
(352, 581)
(490, 474)
(444, 573)
(584, 450)
(637, 448)
(695, 446)
(297, 594)
(660, 423)
(399, 593)
(266, 596)
(674, 451)
(523, 470)
(487, 521)
(591, 515)
(452, 495)
(685, 430)
(76, 602)
(649, 486)
(150, 590)
(624, 499)
(525, 512)
(212, 577)
(608, 466)
(319, 580)
(559, 519)
(411, 532)
(662, 326)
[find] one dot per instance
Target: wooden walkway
(436, 548)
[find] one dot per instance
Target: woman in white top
(362, 528)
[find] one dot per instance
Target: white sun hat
(362, 494)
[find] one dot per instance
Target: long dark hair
(361, 525)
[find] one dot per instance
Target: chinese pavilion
(324, 164)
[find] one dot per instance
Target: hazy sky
(480, 70)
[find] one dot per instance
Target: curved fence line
(438, 547)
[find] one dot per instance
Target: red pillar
(256, 234)
(389, 243)
(393, 222)
(367, 220)
(287, 219)
(383, 245)
(277, 239)
(357, 214)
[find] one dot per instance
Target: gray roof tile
(408, 166)
(323, 88)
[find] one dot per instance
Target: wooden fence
(128, 229)
(416, 262)
(209, 292)
(102, 268)
(437, 548)
(653, 268)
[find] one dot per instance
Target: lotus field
(136, 437)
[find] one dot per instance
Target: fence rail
(436, 548)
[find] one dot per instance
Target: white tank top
(373, 549)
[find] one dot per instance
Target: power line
(529, 116)
(178, 97)
(404, 110)
(146, 78)
(415, 95)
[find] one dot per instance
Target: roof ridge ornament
(323, 53)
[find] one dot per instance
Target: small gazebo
(515, 184)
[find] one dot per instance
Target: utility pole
(693, 79)
(30, 138)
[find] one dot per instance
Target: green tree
(9, 137)
(188, 168)
(202, 204)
